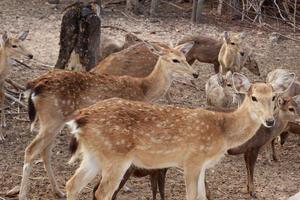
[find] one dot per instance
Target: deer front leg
(111, 177)
(46, 156)
(161, 182)
(250, 159)
(154, 183)
(191, 175)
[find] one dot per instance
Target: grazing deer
(114, 134)
(10, 47)
(56, 95)
(219, 92)
(231, 53)
(288, 110)
(207, 50)
(157, 179)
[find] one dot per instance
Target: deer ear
(4, 37)
(185, 48)
(226, 37)
(156, 49)
(22, 36)
(282, 100)
(241, 83)
(283, 82)
(242, 35)
(296, 99)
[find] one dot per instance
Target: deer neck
(4, 61)
(240, 125)
(157, 83)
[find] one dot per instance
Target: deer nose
(270, 122)
(30, 56)
(195, 75)
(242, 53)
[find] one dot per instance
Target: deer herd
(119, 131)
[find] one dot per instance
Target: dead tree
(197, 10)
(80, 32)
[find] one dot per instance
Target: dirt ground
(227, 180)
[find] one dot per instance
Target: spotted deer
(114, 134)
(288, 110)
(232, 52)
(10, 47)
(206, 49)
(56, 95)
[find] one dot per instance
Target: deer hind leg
(112, 174)
(36, 147)
(161, 182)
(127, 175)
(46, 156)
(88, 169)
(202, 185)
(250, 159)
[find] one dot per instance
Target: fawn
(288, 110)
(231, 53)
(206, 49)
(114, 134)
(10, 47)
(56, 95)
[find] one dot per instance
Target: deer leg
(191, 175)
(154, 183)
(127, 175)
(41, 141)
(202, 185)
(274, 153)
(46, 156)
(88, 169)
(216, 67)
(161, 182)
(3, 120)
(283, 137)
(250, 159)
(111, 177)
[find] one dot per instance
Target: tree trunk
(194, 11)
(154, 7)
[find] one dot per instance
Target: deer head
(13, 45)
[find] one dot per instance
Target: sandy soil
(226, 180)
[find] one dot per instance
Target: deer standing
(114, 134)
(288, 110)
(206, 49)
(56, 95)
(10, 47)
(228, 57)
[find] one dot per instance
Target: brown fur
(63, 92)
(264, 136)
(10, 47)
(119, 133)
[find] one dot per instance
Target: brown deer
(206, 49)
(231, 53)
(10, 47)
(288, 110)
(138, 61)
(56, 95)
(114, 134)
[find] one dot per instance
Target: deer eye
(232, 43)
(14, 46)
(254, 98)
(175, 61)
(292, 109)
(273, 99)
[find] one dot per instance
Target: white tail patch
(73, 126)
